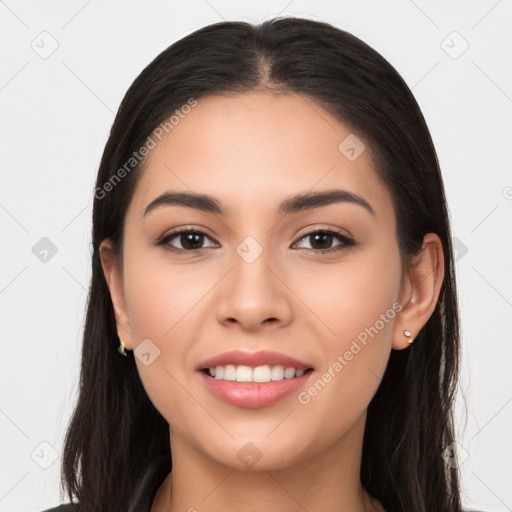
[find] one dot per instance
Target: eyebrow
(293, 204)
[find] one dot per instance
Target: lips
(254, 359)
(254, 394)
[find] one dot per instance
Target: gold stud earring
(408, 334)
(121, 348)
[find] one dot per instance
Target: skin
(252, 151)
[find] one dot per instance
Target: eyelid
(187, 228)
(339, 231)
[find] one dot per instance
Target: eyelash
(345, 240)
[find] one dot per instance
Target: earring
(408, 334)
(121, 348)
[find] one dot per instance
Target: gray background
(65, 67)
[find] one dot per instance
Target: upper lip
(253, 359)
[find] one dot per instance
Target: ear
(115, 284)
(420, 291)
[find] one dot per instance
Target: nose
(254, 296)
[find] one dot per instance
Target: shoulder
(68, 507)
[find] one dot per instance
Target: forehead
(254, 149)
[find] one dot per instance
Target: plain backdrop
(65, 67)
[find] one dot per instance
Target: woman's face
(255, 282)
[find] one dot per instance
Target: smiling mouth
(258, 374)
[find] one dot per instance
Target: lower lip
(253, 394)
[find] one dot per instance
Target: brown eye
(189, 240)
(321, 241)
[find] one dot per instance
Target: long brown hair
(115, 432)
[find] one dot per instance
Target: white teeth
(289, 373)
(278, 373)
(243, 374)
(229, 372)
(263, 373)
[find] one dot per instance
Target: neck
(327, 481)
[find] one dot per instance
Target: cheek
(368, 294)
(161, 297)
(353, 296)
(359, 304)
(163, 302)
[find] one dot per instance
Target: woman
(272, 312)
